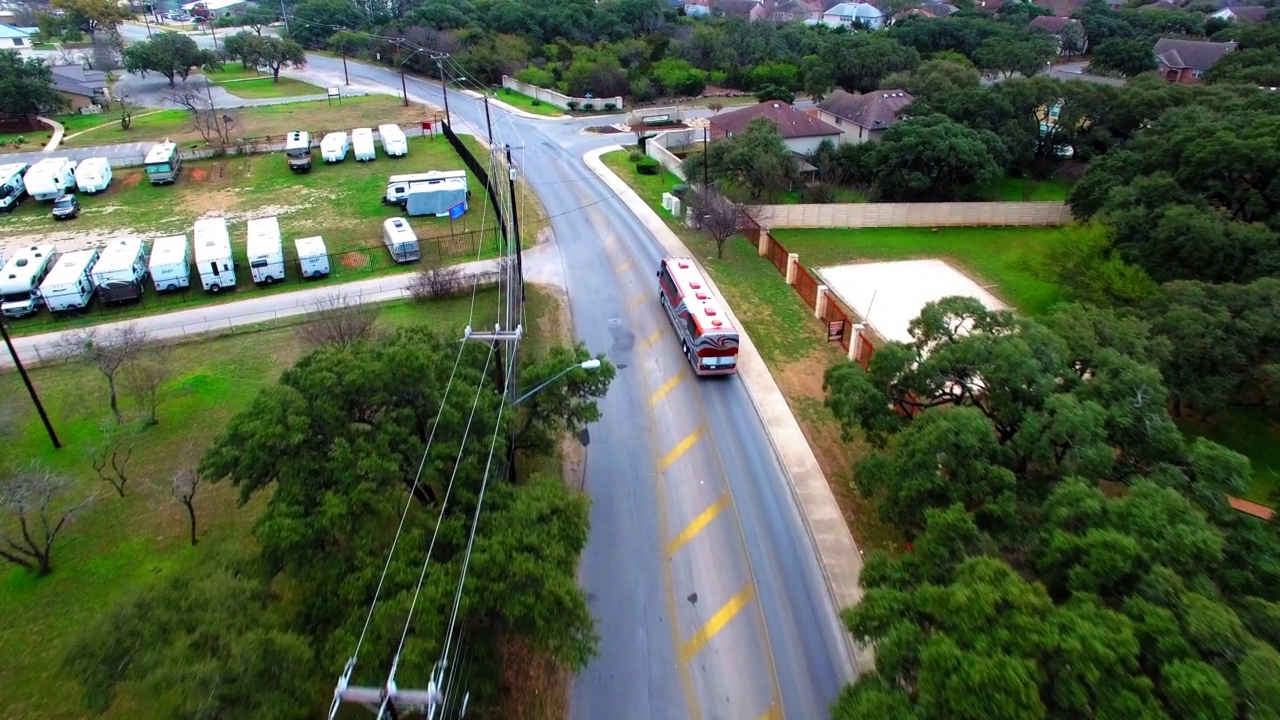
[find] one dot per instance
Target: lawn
(119, 544)
(1026, 190)
(1253, 433)
(265, 87)
(341, 203)
(1006, 261)
(526, 103)
(791, 341)
(251, 122)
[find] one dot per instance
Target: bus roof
(703, 305)
(160, 152)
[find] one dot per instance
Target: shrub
(573, 104)
(610, 106)
(588, 107)
(648, 166)
(635, 155)
(819, 193)
(536, 102)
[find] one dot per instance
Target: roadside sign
(456, 211)
(426, 125)
(835, 331)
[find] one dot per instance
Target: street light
(592, 364)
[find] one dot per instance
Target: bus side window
(693, 326)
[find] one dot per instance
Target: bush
(588, 107)
(536, 102)
(635, 155)
(818, 193)
(610, 106)
(648, 166)
(573, 104)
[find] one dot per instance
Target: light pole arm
(592, 364)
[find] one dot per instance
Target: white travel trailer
(163, 163)
(213, 255)
(69, 285)
(170, 263)
(398, 185)
(394, 142)
(266, 253)
(334, 146)
(93, 175)
(400, 240)
(362, 144)
(313, 257)
(297, 150)
(48, 179)
(120, 271)
(21, 277)
(12, 188)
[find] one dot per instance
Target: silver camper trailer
(313, 257)
(170, 263)
(401, 240)
(121, 270)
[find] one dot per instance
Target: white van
(170, 263)
(313, 257)
(400, 240)
(393, 140)
(69, 285)
(334, 146)
(266, 254)
(120, 271)
(21, 277)
(12, 188)
(362, 144)
(48, 179)
(93, 175)
(213, 255)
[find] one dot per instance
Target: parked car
(66, 207)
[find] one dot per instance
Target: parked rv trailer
(21, 277)
(334, 146)
(266, 253)
(163, 163)
(297, 150)
(438, 197)
(121, 270)
(170, 263)
(213, 255)
(398, 185)
(362, 144)
(400, 240)
(93, 175)
(48, 179)
(12, 188)
(313, 257)
(69, 285)
(394, 142)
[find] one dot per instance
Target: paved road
(736, 622)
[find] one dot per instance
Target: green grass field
(265, 88)
(1251, 432)
(526, 103)
(118, 544)
(1003, 260)
(1025, 190)
(339, 202)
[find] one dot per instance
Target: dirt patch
(355, 260)
(130, 180)
(534, 687)
(208, 173)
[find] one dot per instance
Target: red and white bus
(707, 338)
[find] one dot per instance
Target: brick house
(801, 133)
(863, 118)
(1186, 61)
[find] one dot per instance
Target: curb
(838, 555)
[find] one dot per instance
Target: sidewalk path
(839, 556)
(35, 349)
(58, 131)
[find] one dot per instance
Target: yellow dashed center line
(667, 387)
(697, 525)
(649, 341)
(772, 713)
(669, 459)
(716, 623)
(625, 266)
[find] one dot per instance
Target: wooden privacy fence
(859, 215)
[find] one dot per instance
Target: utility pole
(31, 389)
(212, 31)
(403, 88)
(343, 45)
(705, 159)
(488, 121)
(285, 17)
(444, 88)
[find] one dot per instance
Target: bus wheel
(270, 279)
(215, 288)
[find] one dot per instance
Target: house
(697, 8)
(1160, 5)
(802, 133)
(863, 118)
(81, 86)
(1070, 42)
(12, 38)
(1250, 13)
(783, 11)
(939, 9)
(991, 6)
(850, 14)
(1186, 61)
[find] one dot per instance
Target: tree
(186, 482)
(171, 54)
(144, 379)
(126, 106)
(756, 160)
(242, 46)
(259, 16)
(719, 216)
(935, 78)
(1026, 56)
(276, 53)
(858, 63)
(933, 159)
(339, 320)
(107, 352)
(93, 15)
(28, 496)
(110, 457)
(313, 21)
(204, 117)
(26, 87)
(1125, 58)
(107, 49)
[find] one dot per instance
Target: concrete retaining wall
(560, 100)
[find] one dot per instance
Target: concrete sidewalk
(839, 556)
(35, 349)
(58, 131)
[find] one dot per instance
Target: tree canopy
(170, 54)
(26, 87)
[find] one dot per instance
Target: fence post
(793, 265)
(820, 303)
(855, 341)
(762, 242)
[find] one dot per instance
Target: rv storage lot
(341, 202)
